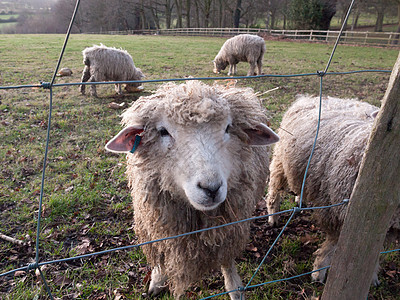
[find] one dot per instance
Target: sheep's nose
(210, 190)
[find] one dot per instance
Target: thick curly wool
(244, 47)
(344, 131)
(162, 210)
(108, 64)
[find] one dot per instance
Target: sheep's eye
(163, 131)
(228, 129)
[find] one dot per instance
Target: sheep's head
(192, 140)
(135, 87)
(219, 65)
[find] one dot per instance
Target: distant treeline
(118, 15)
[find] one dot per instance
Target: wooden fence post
(375, 197)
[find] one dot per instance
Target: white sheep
(202, 161)
(109, 64)
(344, 131)
(243, 47)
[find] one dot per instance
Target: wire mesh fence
(37, 264)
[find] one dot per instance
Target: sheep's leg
(273, 205)
(92, 86)
(277, 182)
(232, 69)
(118, 88)
(252, 69)
(84, 78)
(158, 281)
(259, 66)
(323, 257)
(232, 281)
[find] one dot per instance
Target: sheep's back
(344, 130)
(110, 63)
(244, 47)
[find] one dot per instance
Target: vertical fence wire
(46, 85)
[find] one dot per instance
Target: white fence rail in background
(383, 39)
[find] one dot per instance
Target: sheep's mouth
(207, 203)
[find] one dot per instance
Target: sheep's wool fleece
(243, 47)
(159, 209)
(344, 131)
(110, 64)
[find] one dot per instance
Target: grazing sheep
(109, 64)
(244, 47)
(344, 131)
(202, 162)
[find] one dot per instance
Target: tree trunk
(142, 16)
(328, 11)
(188, 6)
(153, 10)
(379, 22)
(196, 3)
(178, 4)
(221, 18)
(236, 16)
(375, 197)
(168, 14)
(273, 16)
(356, 16)
(207, 12)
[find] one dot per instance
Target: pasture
(87, 206)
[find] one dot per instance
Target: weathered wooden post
(375, 197)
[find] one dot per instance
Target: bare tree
(236, 16)
(188, 14)
(153, 8)
(179, 7)
(168, 6)
(206, 7)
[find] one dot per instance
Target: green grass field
(87, 205)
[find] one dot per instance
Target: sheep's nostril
(210, 190)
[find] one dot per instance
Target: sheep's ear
(123, 142)
(262, 135)
(374, 113)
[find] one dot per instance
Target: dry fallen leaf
(19, 273)
(114, 105)
(251, 248)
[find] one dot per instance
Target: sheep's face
(191, 144)
(203, 156)
(219, 65)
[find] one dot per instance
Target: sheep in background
(109, 64)
(344, 131)
(202, 161)
(244, 47)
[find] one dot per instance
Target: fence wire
(50, 85)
